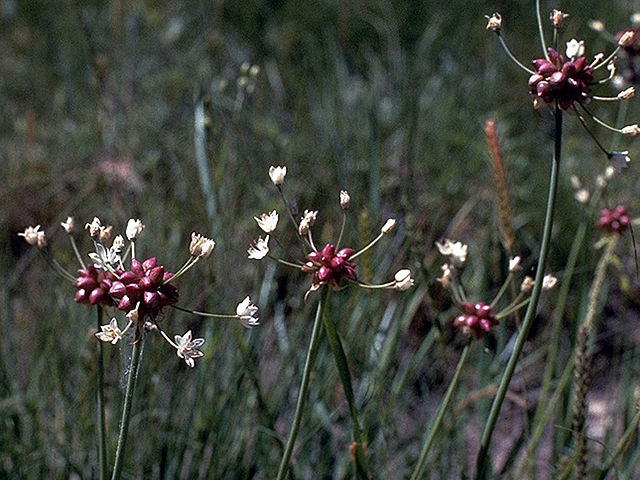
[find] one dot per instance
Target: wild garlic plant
(141, 292)
(561, 82)
(476, 320)
(332, 268)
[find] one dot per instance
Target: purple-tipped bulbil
(561, 80)
(331, 267)
(143, 285)
(477, 319)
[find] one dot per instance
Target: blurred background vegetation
(146, 109)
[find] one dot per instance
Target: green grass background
(385, 99)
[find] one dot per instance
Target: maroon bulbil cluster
(477, 319)
(614, 219)
(559, 80)
(329, 267)
(144, 283)
(93, 287)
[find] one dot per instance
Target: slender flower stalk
(361, 463)
(102, 436)
(304, 387)
(483, 454)
(126, 409)
(437, 422)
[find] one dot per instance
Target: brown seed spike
(505, 213)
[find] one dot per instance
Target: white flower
(447, 274)
(558, 17)
(118, 244)
(456, 251)
(388, 226)
(575, 182)
(345, 199)
(68, 225)
(601, 182)
(626, 38)
(514, 264)
(104, 259)
(105, 234)
(575, 48)
(201, 246)
(247, 313)
(307, 221)
(612, 69)
(548, 282)
(268, 221)
(596, 25)
(259, 248)
(94, 227)
(627, 94)
(582, 196)
(619, 160)
(134, 229)
(110, 333)
(494, 22)
(277, 175)
(403, 280)
(631, 130)
(34, 236)
(527, 284)
(188, 349)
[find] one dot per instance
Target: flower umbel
(477, 319)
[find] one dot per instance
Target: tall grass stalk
(304, 386)
(483, 453)
(361, 464)
(126, 409)
(437, 423)
(102, 435)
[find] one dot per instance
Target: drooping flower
(345, 199)
(187, 348)
(619, 160)
(548, 282)
(105, 258)
(247, 313)
(494, 22)
(514, 264)
(403, 280)
(388, 226)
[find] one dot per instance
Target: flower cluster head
(567, 81)
(330, 267)
(145, 287)
(615, 219)
(477, 319)
(562, 79)
(142, 291)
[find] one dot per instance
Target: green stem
(126, 409)
(102, 440)
(543, 43)
(481, 460)
(623, 444)
(304, 387)
(435, 428)
(361, 463)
